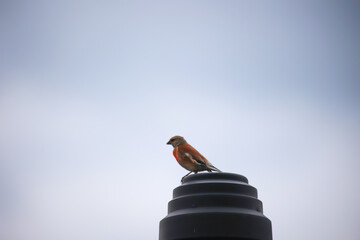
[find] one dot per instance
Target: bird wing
(197, 161)
(190, 153)
(193, 154)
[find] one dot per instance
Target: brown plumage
(189, 158)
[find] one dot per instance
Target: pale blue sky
(90, 92)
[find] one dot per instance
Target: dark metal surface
(215, 206)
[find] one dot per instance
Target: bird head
(176, 141)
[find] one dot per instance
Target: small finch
(189, 158)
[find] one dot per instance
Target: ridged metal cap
(215, 206)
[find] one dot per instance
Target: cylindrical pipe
(215, 206)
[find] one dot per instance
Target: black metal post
(215, 206)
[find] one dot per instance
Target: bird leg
(182, 179)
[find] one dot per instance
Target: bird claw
(183, 178)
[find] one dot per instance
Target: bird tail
(212, 167)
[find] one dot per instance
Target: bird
(189, 158)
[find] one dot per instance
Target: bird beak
(168, 142)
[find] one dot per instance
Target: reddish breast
(175, 153)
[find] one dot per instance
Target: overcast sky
(91, 91)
